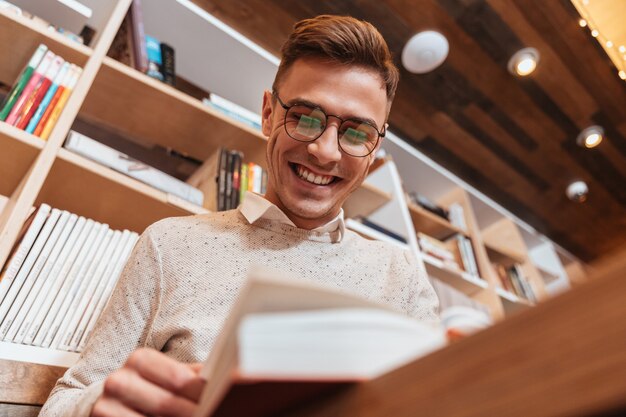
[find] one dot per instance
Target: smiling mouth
(310, 177)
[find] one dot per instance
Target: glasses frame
(287, 108)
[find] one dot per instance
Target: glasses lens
(305, 123)
(357, 138)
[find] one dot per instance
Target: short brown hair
(341, 39)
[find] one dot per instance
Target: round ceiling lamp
(590, 137)
(424, 52)
(524, 62)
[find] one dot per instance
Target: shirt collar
(256, 207)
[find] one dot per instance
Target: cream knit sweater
(184, 274)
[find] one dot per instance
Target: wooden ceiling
(513, 139)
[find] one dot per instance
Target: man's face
(295, 167)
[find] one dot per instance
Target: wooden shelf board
(151, 111)
(86, 188)
(18, 151)
(27, 383)
(458, 279)
(19, 38)
(365, 200)
(429, 223)
(503, 255)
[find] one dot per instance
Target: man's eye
(354, 136)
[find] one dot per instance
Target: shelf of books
(144, 108)
(18, 151)
(432, 224)
(467, 283)
(519, 284)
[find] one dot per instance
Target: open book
(286, 341)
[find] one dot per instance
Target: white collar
(255, 207)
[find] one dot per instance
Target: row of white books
(59, 278)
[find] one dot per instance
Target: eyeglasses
(306, 123)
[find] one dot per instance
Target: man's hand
(152, 384)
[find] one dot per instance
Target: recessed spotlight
(622, 75)
(582, 23)
(424, 52)
(577, 191)
(622, 48)
(609, 44)
(524, 62)
(590, 137)
(595, 33)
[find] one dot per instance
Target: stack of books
(40, 93)
(512, 280)
(59, 278)
(224, 179)
(233, 110)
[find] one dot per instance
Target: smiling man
(325, 119)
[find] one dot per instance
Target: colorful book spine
(33, 102)
(34, 81)
(47, 99)
(55, 99)
(22, 81)
(56, 112)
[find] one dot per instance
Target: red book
(32, 103)
(53, 102)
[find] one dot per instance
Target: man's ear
(266, 113)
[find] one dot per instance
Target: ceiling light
(622, 48)
(595, 33)
(590, 137)
(577, 191)
(523, 62)
(424, 52)
(582, 23)
(609, 44)
(622, 75)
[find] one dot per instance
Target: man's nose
(326, 148)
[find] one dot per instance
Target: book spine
(34, 81)
(15, 297)
(236, 179)
(36, 276)
(32, 104)
(153, 50)
(53, 102)
(243, 187)
(47, 99)
(258, 179)
(88, 287)
(18, 257)
(112, 281)
(221, 188)
(168, 64)
(117, 246)
(56, 112)
(21, 82)
(56, 279)
(140, 52)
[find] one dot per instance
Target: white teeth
(312, 178)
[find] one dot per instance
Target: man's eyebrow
(309, 103)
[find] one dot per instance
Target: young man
(324, 119)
